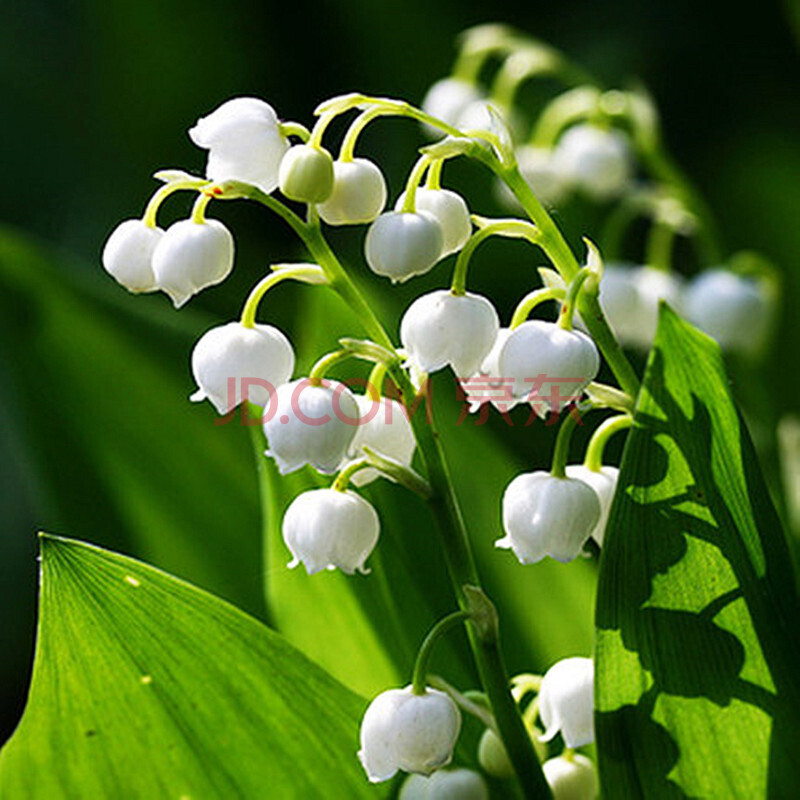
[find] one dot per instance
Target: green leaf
(697, 616)
(145, 686)
(95, 386)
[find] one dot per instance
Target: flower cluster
(587, 142)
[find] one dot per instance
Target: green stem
(297, 129)
(555, 245)
(434, 179)
(305, 272)
(328, 361)
(443, 626)
(568, 309)
(414, 180)
(516, 228)
(530, 301)
(150, 213)
(450, 525)
(347, 150)
(561, 451)
(199, 208)
(343, 478)
(594, 452)
(659, 246)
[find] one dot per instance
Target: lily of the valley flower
(571, 777)
(596, 160)
(306, 174)
(566, 701)
(192, 256)
(383, 427)
(652, 286)
(547, 516)
(730, 308)
(442, 329)
(446, 784)
(549, 366)
(450, 211)
(329, 529)
(128, 255)
(604, 483)
(447, 98)
(405, 731)
(401, 244)
(225, 357)
(358, 196)
(310, 424)
(486, 385)
(244, 141)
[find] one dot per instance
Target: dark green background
(97, 95)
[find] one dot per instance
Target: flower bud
(550, 366)
(441, 329)
(192, 256)
(326, 529)
(308, 424)
(547, 516)
(596, 160)
(358, 196)
(229, 355)
(402, 244)
(566, 701)
(128, 255)
(383, 427)
(404, 731)
(244, 142)
(446, 100)
(445, 784)
(730, 308)
(306, 174)
(604, 483)
(492, 756)
(571, 777)
(449, 210)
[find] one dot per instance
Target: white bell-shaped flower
(653, 286)
(442, 329)
(596, 160)
(445, 784)
(450, 211)
(730, 308)
(358, 196)
(446, 100)
(306, 174)
(128, 255)
(383, 427)
(547, 516)
(541, 172)
(550, 366)
(493, 756)
(619, 300)
(192, 256)
(405, 731)
(566, 701)
(231, 359)
(402, 244)
(487, 385)
(604, 483)
(572, 777)
(309, 424)
(329, 529)
(244, 141)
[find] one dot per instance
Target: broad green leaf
(374, 624)
(697, 617)
(145, 686)
(95, 388)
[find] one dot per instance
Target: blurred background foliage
(98, 440)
